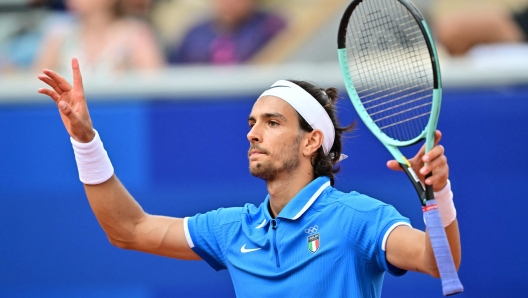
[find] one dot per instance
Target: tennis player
(307, 239)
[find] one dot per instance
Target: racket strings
(374, 87)
(413, 87)
(401, 112)
(391, 67)
(403, 104)
(406, 120)
(388, 78)
(388, 82)
(385, 54)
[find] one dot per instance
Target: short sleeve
(203, 230)
(208, 234)
(372, 222)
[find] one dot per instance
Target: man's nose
(254, 135)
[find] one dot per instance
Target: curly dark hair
(325, 164)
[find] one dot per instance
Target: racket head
(390, 67)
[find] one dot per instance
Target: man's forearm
(453, 236)
(115, 209)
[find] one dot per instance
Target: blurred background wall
(174, 123)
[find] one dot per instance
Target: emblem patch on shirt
(313, 239)
(313, 243)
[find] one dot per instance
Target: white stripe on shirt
(187, 234)
(384, 242)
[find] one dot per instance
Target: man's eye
(273, 123)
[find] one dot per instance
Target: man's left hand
(434, 161)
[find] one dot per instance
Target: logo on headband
(278, 86)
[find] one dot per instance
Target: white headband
(307, 106)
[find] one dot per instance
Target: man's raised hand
(70, 101)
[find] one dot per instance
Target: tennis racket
(389, 64)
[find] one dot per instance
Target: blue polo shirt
(324, 243)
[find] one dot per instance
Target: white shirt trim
(386, 236)
(262, 224)
(312, 200)
(186, 231)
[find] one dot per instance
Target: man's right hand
(121, 217)
(70, 101)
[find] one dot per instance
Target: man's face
(274, 139)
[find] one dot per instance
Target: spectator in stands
(103, 38)
(20, 33)
(237, 31)
(459, 32)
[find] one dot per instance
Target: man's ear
(312, 141)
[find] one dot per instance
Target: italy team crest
(313, 243)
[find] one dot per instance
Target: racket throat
(416, 182)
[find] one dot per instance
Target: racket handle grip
(444, 260)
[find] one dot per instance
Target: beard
(285, 161)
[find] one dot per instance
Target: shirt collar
(303, 200)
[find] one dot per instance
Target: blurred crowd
(113, 36)
(461, 25)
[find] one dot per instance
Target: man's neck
(282, 189)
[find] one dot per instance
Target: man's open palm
(70, 101)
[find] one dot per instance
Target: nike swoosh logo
(244, 250)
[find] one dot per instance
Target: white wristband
(444, 202)
(92, 161)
